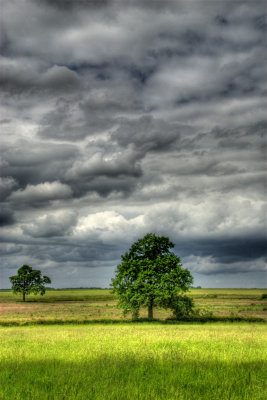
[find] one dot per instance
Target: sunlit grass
(148, 361)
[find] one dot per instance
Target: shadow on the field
(68, 321)
(132, 377)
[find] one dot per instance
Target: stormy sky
(120, 118)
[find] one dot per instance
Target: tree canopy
(29, 280)
(149, 275)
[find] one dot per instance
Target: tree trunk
(150, 309)
(23, 296)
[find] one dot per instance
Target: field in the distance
(81, 305)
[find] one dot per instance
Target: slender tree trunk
(150, 309)
(23, 296)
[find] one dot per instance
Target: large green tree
(149, 275)
(29, 280)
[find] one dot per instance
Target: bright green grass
(137, 361)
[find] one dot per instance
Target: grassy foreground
(81, 305)
(147, 361)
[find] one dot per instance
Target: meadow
(134, 361)
(81, 305)
(75, 345)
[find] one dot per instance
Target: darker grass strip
(110, 321)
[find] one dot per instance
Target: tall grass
(148, 361)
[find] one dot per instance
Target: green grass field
(78, 305)
(119, 359)
(134, 361)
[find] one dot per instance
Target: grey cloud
(242, 273)
(58, 251)
(119, 118)
(62, 123)
(104, 177)
(230, 251)
(87, 256)
(204, 153)
(7, 185)
(68, 5)
(55, 224)
(60, 78)
(33, 76)
(94, 110)
(36, 163)
(119, 18)
(77, 32)
(180, 81)
(149, 134)
(41, 193)
(71, 122)
(253, 133)
(10, 249)
(123, 185)
(6, 217)
(124, 164)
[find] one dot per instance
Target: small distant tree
(28, 281)
(151, 275)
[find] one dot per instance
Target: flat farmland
(81, 305)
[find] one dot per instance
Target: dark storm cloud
(105, 33)
(24, 75)
(230, 250)
(104, 177)
(122, 118)
(91, 255)
(123, 185)
(67, 5)
(29, 162)
(150, 134)
(6, 217)
(7, 185)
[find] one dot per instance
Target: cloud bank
(123, 118)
